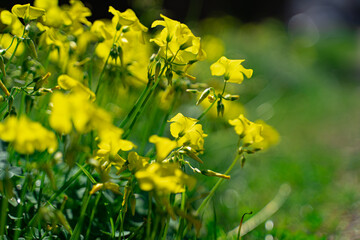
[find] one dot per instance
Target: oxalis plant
(80, 103)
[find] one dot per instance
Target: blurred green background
(306, 85)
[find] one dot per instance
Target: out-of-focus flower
(270, 135)
(76, 109)
(163, 146)
(127, 18)
(12, 22)
(68, 83)
(27, 12)
(232, 70)
(164, 178)
(27, 136)
(5, 41)
(137, 162)
(250, 132)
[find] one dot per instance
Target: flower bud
(126, 29)
(169, 75)
(214, 174)
(120, 54)
(31, 46)
(211, 98)
(230, 97)
(191, 153)
(157, 69)
(2, 65)
(192, 90)
(242, 160)
(220, 108)
(29, 103)
(114, 52)
(118, 26)
(204, 94)
(132, 204)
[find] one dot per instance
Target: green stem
(206, 111)
(21, 209)
(148, 220)
(60, 191)
(182, 220)
(212, 192)
(166, 228)
(102, 73)
(138, 101)
(93, 214)
(142, 107)
(85, 202)
(4, 205)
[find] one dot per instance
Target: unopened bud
(192, 90)
(169, 75)
(118, 26)
(203, 95)
(126, 29)
(220, 108)
(191, 153)
(242, 160)
(152, 57)
(29, 103)
(214, 174)
(120, 54)
(2, 65)
(114, 52)
(30, 43)
(157, 69)
(211, 98)
(96, 188)
(132, 204)
(10, 102)
(230, 97)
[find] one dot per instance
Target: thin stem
(212, 192)
(21, 209)
(138, 101)
(142, 107)
(148, 220)
(4, 205)
(211, 105)
(92, 215)
(102, 73)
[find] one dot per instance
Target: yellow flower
(55, 16)
(163, 146)
(177, 39)
(5, 40)
(111, 141)
(250, 132)
(232, 70)
(164, 178)
(27, 136)
(187, 131)
(9, 19)
(76, 109)
(137, 162)
(270, 135)
(127, 18)
(27, 12)
(68, 83)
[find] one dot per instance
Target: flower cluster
(70, 74)
(27, 136)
